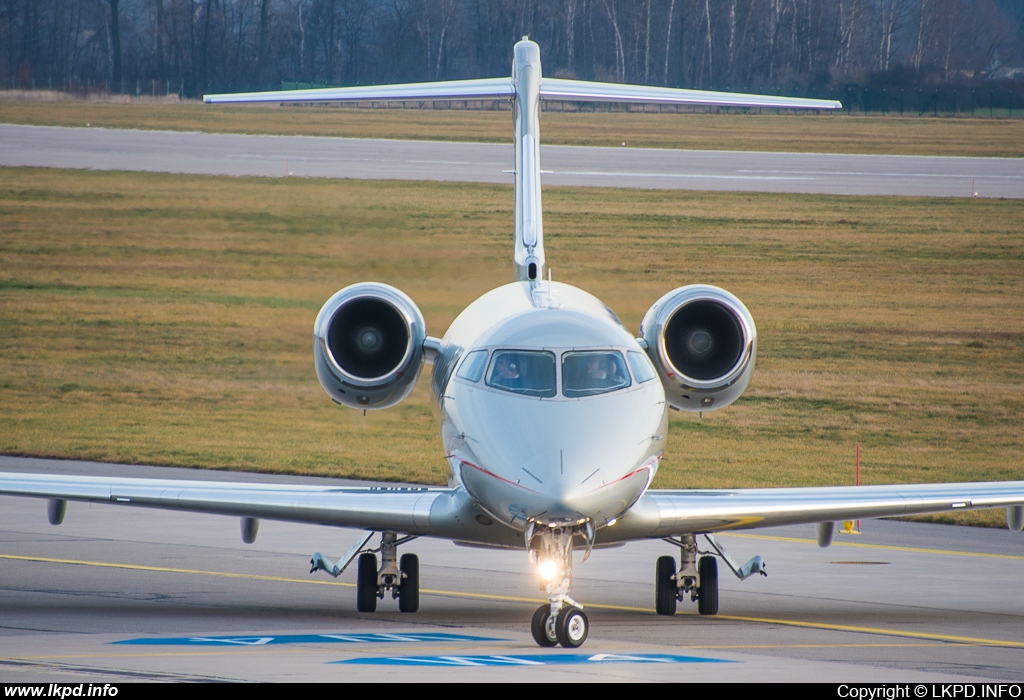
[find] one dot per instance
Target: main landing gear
(401, 577)
(561, 620)
(695, 577)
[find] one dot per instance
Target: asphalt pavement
(119, 594)
(376, 159)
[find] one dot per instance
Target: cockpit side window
(641, 366)
(523, 372)
(472, 369)
(593, 372)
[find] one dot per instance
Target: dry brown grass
(824, 133)
(163, 319)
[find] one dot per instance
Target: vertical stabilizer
(526, 88)
(529, 221)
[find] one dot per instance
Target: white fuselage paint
(554, 459)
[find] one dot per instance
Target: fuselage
(551, 411)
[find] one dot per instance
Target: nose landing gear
(561, 620)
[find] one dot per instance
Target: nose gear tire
(541, 629)
(571, 627)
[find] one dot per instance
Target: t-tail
(526, 89)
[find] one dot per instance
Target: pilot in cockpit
(602, 372)
(506, 372)
(597, 369)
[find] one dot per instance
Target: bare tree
(116, 75)
(891, 14)
(620, 54)
(668, 38)
(732, 44)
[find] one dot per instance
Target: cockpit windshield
(532, 372)
(593, 372)
(523, 372)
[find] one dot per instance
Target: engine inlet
(704, 340)
(368, 338)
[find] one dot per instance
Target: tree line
(804, 47)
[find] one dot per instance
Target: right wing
(433, 512)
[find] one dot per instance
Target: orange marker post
(852, 527)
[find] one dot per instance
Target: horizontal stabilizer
(503, 88)
(484, 89)
(585, 91)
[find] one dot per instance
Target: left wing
(662, 513)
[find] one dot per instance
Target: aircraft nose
(558, 460)
(595, 478)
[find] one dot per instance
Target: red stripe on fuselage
(492, 474)
(635, 471)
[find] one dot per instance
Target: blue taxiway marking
(532, 660)
(340, 638)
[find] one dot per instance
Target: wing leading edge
(661, 513)
(404, 509)
(432, 512)
(450, 513)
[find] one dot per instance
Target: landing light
(547, 569)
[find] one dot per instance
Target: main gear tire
(707, 592)
(665, 589)
(366, 583)
(409, 588)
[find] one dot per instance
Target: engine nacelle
(368, 345)
(703, 342)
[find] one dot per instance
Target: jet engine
(703, 342)
(368, 345)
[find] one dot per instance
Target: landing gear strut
(696, 577)
(373, 582)
(561, 620)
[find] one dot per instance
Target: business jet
(553, 415)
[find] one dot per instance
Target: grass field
(823, 133)
(161, 319)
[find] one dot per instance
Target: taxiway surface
(119, 594)
(374, 159)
